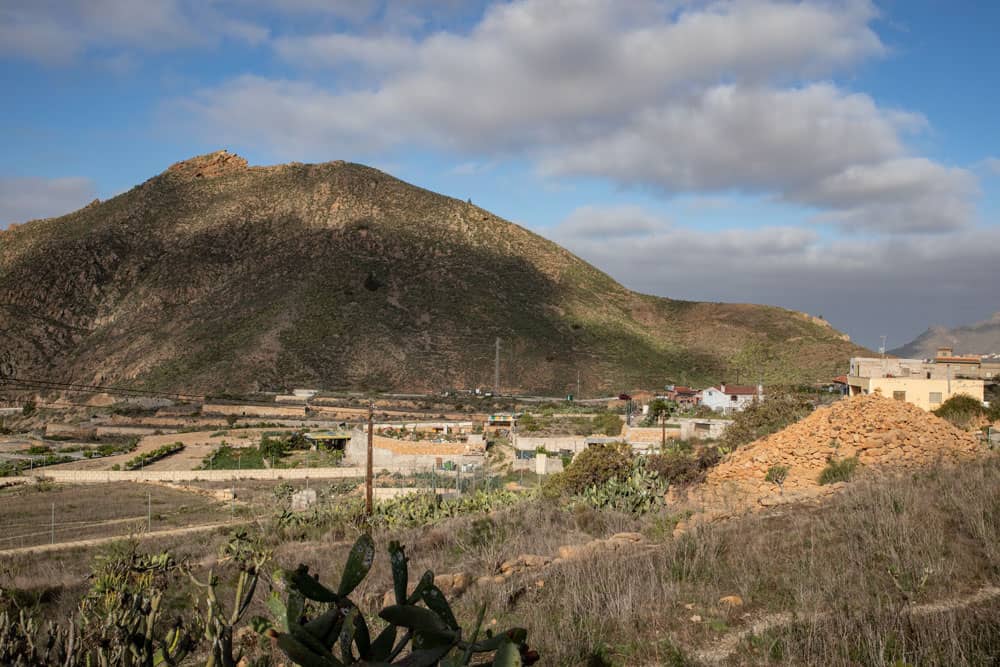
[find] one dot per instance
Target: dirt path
(60, 546)
(727, 645)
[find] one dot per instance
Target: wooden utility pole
(496, 371)
(663, 431)
(368, 463)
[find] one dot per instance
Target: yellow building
(926, 393)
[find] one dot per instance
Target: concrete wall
(573, 444)
(254, 410)
(918, 391)
(356, 453)
(95, 476)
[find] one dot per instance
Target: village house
(926, 384)
(730, 397)
(683, 396)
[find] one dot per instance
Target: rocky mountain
(979, 338)
(215, 275)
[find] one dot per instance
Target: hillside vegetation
(218, 276)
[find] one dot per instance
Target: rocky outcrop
(211, 165)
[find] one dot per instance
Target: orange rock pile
(882, 433)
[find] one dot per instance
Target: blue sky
(839, 157)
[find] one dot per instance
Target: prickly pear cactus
(421, 628)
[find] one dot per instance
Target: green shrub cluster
(838, 471)
(593, 466)
(683, 468)
(639, 492)
(763, 418)
(965, 412)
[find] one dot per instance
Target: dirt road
(78, 544)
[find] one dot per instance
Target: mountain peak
(210, 165)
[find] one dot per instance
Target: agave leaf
(293, 608)
(347, 636)
(279, 611)
(507, 656)
(359, 562)
(436, 602)
(400, 572)
(382, 646)
(424, 657)
(300, 580)
(425, 582)
(301, 655)
(326, 625)
(417, 619)
(310, 641)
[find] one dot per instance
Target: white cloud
(342, 50)
(992, 164)
(866, 286)
(58, 32)
(814, 145)
(23, 199)
(705, 97)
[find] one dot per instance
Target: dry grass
(96, 510)
(853, 581)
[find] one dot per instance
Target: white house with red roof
(731, 397)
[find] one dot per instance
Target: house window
(899, 395)
(733, 398)
(935, 398)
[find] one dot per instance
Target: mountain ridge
(978, 338)
(216, 275)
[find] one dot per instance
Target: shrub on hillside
(681, 467)
(595, 465)
(963, 411)
(761, 419)
(838, 471)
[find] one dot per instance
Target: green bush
(761, 419)
(776, 474)
(838, 471)
(963, 411)
(595, 465)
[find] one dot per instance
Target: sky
(838, 157)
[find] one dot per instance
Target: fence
(86, 515)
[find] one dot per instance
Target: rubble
(882, 433)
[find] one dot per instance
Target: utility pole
(663, 431)
(496, 370)
(368, 463)
(149, 512)
(578, 384)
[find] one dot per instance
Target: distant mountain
(979, 338)
(215, 275)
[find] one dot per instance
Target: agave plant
(421, 628)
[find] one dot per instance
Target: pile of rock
(881, 433)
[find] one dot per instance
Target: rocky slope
(215, 275)
(979, 338)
